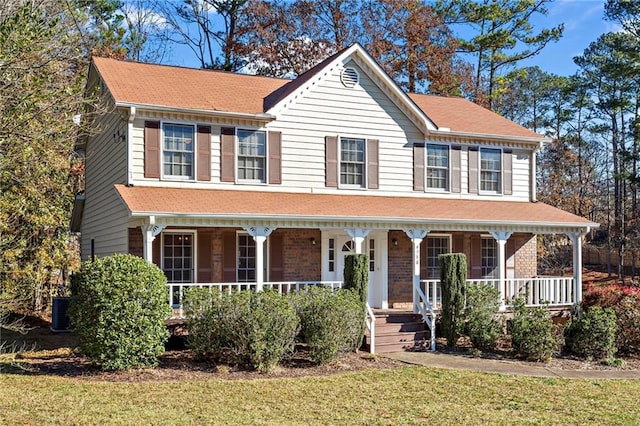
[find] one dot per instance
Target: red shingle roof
(187, 88)
(246, 204)
(461, 115)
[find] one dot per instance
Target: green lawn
(407, 395)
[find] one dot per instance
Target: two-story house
(227, 178)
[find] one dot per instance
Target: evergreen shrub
(119, 305)
(593, 335)
(453, 277)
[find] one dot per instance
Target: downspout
(132, 116)
(534, 172)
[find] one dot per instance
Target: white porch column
(501, 238)
(416, 236)
(149, 233)
(259, 234)
(358, 235)
(576, 240)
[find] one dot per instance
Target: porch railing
(538, 291)
(176, 290)
(425, 308)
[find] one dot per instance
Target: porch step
(399, 331)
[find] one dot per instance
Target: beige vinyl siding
(521, 170)
(105, 216)
(363, 111)
(328, 108)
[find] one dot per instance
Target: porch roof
(217, 206)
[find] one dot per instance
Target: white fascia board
(264, 117)
(443, 222)
(539, 142)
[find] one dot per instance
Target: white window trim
(194, 233)
(364, 171)
(237, 151)
(501, 184)
(426, 169)
(488, 237)
(267, 257)
(195, 150)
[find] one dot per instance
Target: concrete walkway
(462, 362)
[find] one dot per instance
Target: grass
(407, 395)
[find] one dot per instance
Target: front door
(345, 245)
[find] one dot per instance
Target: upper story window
(252, 155)
(490, 170)
(438, 167)
(352, 162)
(178, 150)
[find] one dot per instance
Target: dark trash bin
(59, 317)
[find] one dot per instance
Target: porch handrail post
(576, 241)
(501, 238)
(416, 236)
(259, 234)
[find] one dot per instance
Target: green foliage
(533, 334)
(43, 80)
(593, 335)
(253, 330)
(118, 310)
(625, 302)
(331, 321)
(356, 274)
(480, 322)
(453, 276)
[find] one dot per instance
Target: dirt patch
(44, 352)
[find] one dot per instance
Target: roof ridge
(184, 67)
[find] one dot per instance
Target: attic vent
(349, 77)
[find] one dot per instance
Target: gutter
(132, 116)
(470, 135)
(271, 217)
(259, 117)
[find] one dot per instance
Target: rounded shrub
(251, 330)
(593, 335)
(533, 334)
(119, 305)
(480, 322)
(625, 302)
(331, 321)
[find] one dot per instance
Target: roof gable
(305, 81)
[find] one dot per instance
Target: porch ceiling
(215, 207)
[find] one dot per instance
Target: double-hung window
(490, 170)
(252, 155)
(352, 162)
(436, 245)
(489, 253)
(178, 150)
(177, 257)
(438, 167)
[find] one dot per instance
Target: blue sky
(583, 23)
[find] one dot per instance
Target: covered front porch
(403, 264)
